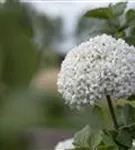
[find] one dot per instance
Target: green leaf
(119, 34)
(121, 102)
(124, 102)
(130, 127)
(95, 116)
(108, 142)
(106, 148)
(130, 40)
(100, 13)
(95, 139)
(130, 21)
(119, 8)
(130, 15)
(81, 138)
(100, 27)
(103, 118)
(88, 138)
(123, 27)
(124, 138)
(132, 31)
(108, 139)
(131, 98)
(132, 103)
(125, 109)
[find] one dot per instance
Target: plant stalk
(111, 108)
(109, 101)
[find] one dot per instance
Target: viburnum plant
(101, 72)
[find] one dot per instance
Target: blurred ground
(46, 80)
(45, 139)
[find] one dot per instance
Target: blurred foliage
(20, 110)
(57, 114)
(27, 39)
(47, 30)
(26, 108)
(115, 20)
(19, 61)
(49, 59)
(20, 58)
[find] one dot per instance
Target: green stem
(109, 101)
(112, 112)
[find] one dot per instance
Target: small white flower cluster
(98, 67)
(66, 144)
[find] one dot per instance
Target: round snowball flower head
(98, 67)
(65, 145)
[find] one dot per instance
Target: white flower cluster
(100, 66)
(66, 144)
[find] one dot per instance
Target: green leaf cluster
(89, 139)
(106, 138)
(115, 20)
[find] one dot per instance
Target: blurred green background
(30, 61)
(29, 65)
